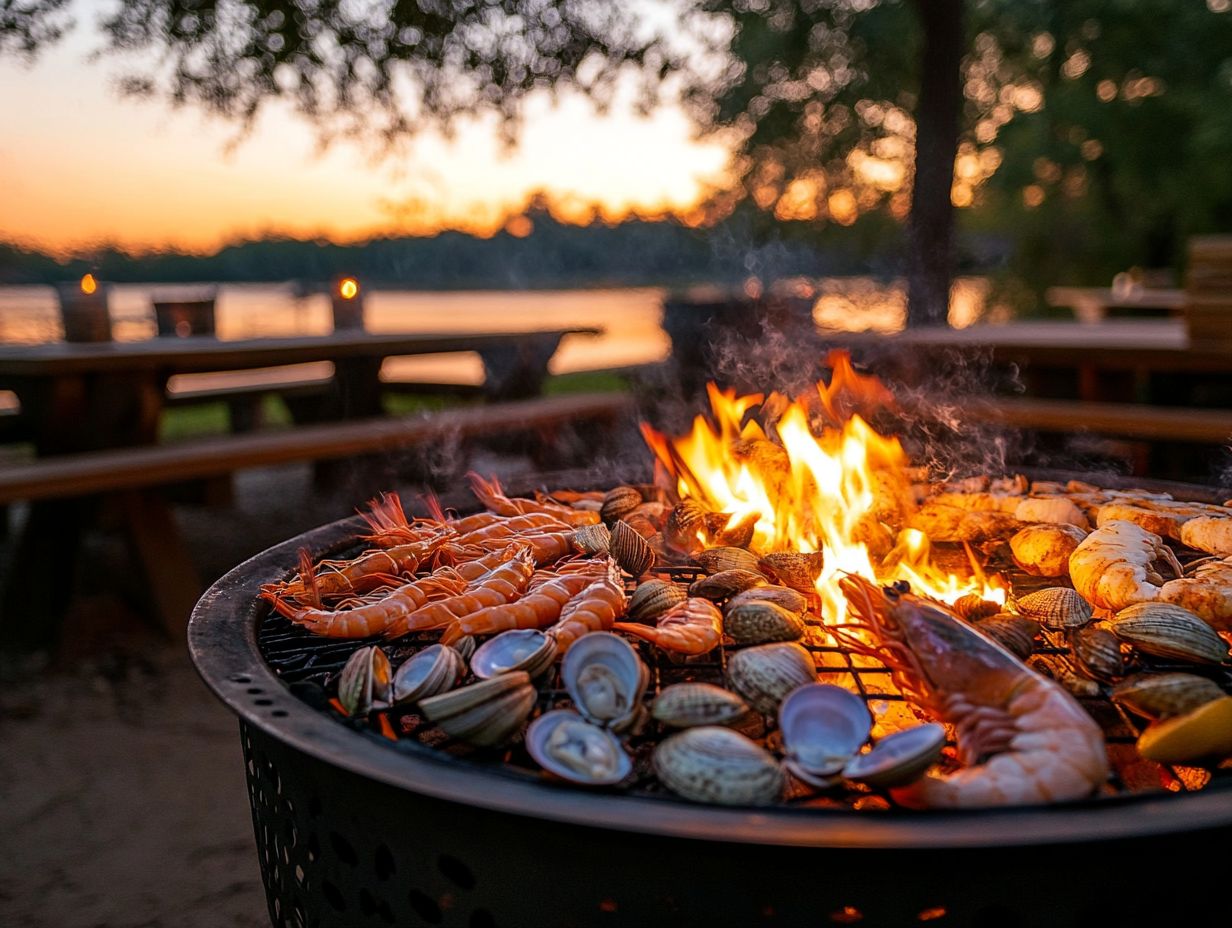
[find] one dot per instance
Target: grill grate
(308, 665)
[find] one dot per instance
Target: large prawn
(502, 584)
(375, 616)
(539, 608)
(592, 610)
(694, 626)
(1023, 738)
(489, 493)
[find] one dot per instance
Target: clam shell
(725, 584)
(605, 678)
(487, 713)
(974, 607)
(618, 503)
(823, 727)
(684, 523)
(898, 759)
(761, 622)
(1166, 630)
(765, 674)
(1164, 695)
(794, 569)
(653, 598)
(1056, 607)
(465, 646)
(1013, 632)
(564, 743)
(433, 670)
(687, 705)
(713, 560)
(784, 597)
(630, 550)
(592, 539)
(1204, 733)
(526, 649)
(736, 534)
(364, 682)
(1098, 652)
(718, 765)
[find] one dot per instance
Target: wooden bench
(1121, 420)
(134, 475)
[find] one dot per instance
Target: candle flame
(348, 288)
(88, 284)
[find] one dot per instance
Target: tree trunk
(930, 227)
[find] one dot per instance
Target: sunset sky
(80, 165)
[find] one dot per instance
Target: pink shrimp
(1023, 738)
(471, 569)
(490, 494)
(539, 608)
(390, 525)
(545, 548)
(500, 585)
(592, 610)
(374, 617)
(464, 525)
(694, 626)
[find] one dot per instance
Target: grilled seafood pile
(529, 630)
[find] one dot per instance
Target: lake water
(631, 318)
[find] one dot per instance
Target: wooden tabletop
(207, 353)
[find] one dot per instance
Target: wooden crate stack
(1208, 289)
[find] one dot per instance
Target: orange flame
(815, 477)
(88, 284)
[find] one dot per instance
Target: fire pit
(394, 815)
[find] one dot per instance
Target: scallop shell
(1202, 734)
(1163, 695)
(974, 607)
(683, 525)
(786, 598)
(1056, 607)
(725, 584)
(618, 503)
(898, 759)
(823, 726)
(718, 765)
(630, 550)
(488, 713)
(761, 622)
(765, 674)
(526, 649)
(1013, 632)
(564, 743)
(592, 539)
(1166, 630)
(713, 560)
(653, 598)
(364, 682)
(605, 678)
(687, 705)
(797, 570)
(435, 669)
(1097, 652)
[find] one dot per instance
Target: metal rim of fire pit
(222, 641)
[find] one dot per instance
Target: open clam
(713, 764)
(364, 682)
(898, 759)
(564, 743)
(487, 713)
(433, 670)
(823, 726)
(605, 678)
(526, 649)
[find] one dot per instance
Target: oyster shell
(823, 727)
(630, 550)
(592, 539)
(605, 679)
(765, 674)
(725, 584)
(1166, 630)
(1164, 695)
(564, 743)
(791, 600)
(1056, 607)
(687, 705)
(798, 570)
(433, 670)
(618, 502)
(364, 681)
(488, 713)
(713, 560)
(898, 759)
(652, 598)
(761, 622)
(718, 765)
(526, 649)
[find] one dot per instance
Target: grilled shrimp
(1118, 565)
(694, 626)
(391, 526)
(1023, 738)
(358, 575)
(592, 610)
(490, 494)
(373, 618)
(502, 584)
(539, 608)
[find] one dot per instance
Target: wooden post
(347, 301)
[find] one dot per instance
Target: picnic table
(1091, 304)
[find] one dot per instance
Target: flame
(88, 284)
(348, 288)
(816, 477)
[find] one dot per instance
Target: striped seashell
(1013, 632)
(684, 523)
(974, 607)
(793, 601)
(736, 534)
(725, 584)
(798, 570)
(1056, 607)
(592, 539)
(713, 560)
(718, 765)
(630, 550)
(761, 623)
(687, 705)
(765, 674)
(653, 598)
(1166, 630)
(1164, 695)
(1097, 652)
(486, 714)
(618, 503)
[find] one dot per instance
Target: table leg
(42, 567)
(173, 583)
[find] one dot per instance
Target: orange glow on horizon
(348, 288)
(88, 284)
